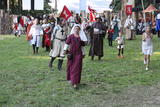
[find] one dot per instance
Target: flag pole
(8, 6)
(144, 16)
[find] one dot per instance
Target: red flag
(129, 9)
(91, 10)
(92, 17)
(21, 22)
(65, 13)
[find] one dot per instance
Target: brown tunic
(97, 40)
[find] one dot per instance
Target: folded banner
(65, 13)
(92, 16)
(129, 9)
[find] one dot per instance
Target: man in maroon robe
(75, 56)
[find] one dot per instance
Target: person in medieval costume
(85, 25)
(121, 42)
(59, 36)
(158, 24)
(130, 25)
(46, 42)
(20, 26)
(147, 46)
(15, 29)
(140, 27)
(35, 34)
(104, 20)
(78, 19)
(110, 32)
(20, 29)
(29, 25)
(71, 21)
(75, 54)
(116, 25)
(97, 36)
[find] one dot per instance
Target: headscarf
(81, 34)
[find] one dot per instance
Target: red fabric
(129, 9)
(91, 10)
(65, 13)
(21, 22)
(47, 39)
(74, 65)
(28, 37)
(16, 26)
(111, 31)
(46, 30)
(150, 8)
(92, 17)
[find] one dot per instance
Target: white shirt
(120, 40)
(20, 27)
(44, 26)
(130, 23)
(36, 30)
(113, 23)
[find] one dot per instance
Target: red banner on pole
(92, 17)
(129, 9)
(91, 14)
(65, 13)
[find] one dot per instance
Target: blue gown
(116, 31)
(157, 24)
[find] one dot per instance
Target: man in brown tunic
(97, 35)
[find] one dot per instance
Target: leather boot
(37, 49)
(60, 62)
(92, 58)
(51, 61)
(99, 58)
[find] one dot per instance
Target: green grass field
(26, 80)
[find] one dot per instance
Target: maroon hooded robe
(74, 65)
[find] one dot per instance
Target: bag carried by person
(69, 56)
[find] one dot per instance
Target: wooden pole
(144, 15)
(8, 6)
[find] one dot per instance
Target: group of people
(68, 38)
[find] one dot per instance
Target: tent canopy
(150, 8)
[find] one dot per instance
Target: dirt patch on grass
(132, 96)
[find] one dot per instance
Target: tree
(116, 5)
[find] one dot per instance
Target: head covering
(129, 16)
(81, 34)
(98, 17)
(158, 16)
(59, 20)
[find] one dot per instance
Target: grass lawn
(26, 80)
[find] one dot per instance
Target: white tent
(38, 4)
(78, 5)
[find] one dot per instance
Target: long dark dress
(97, 40)
(74, 65)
